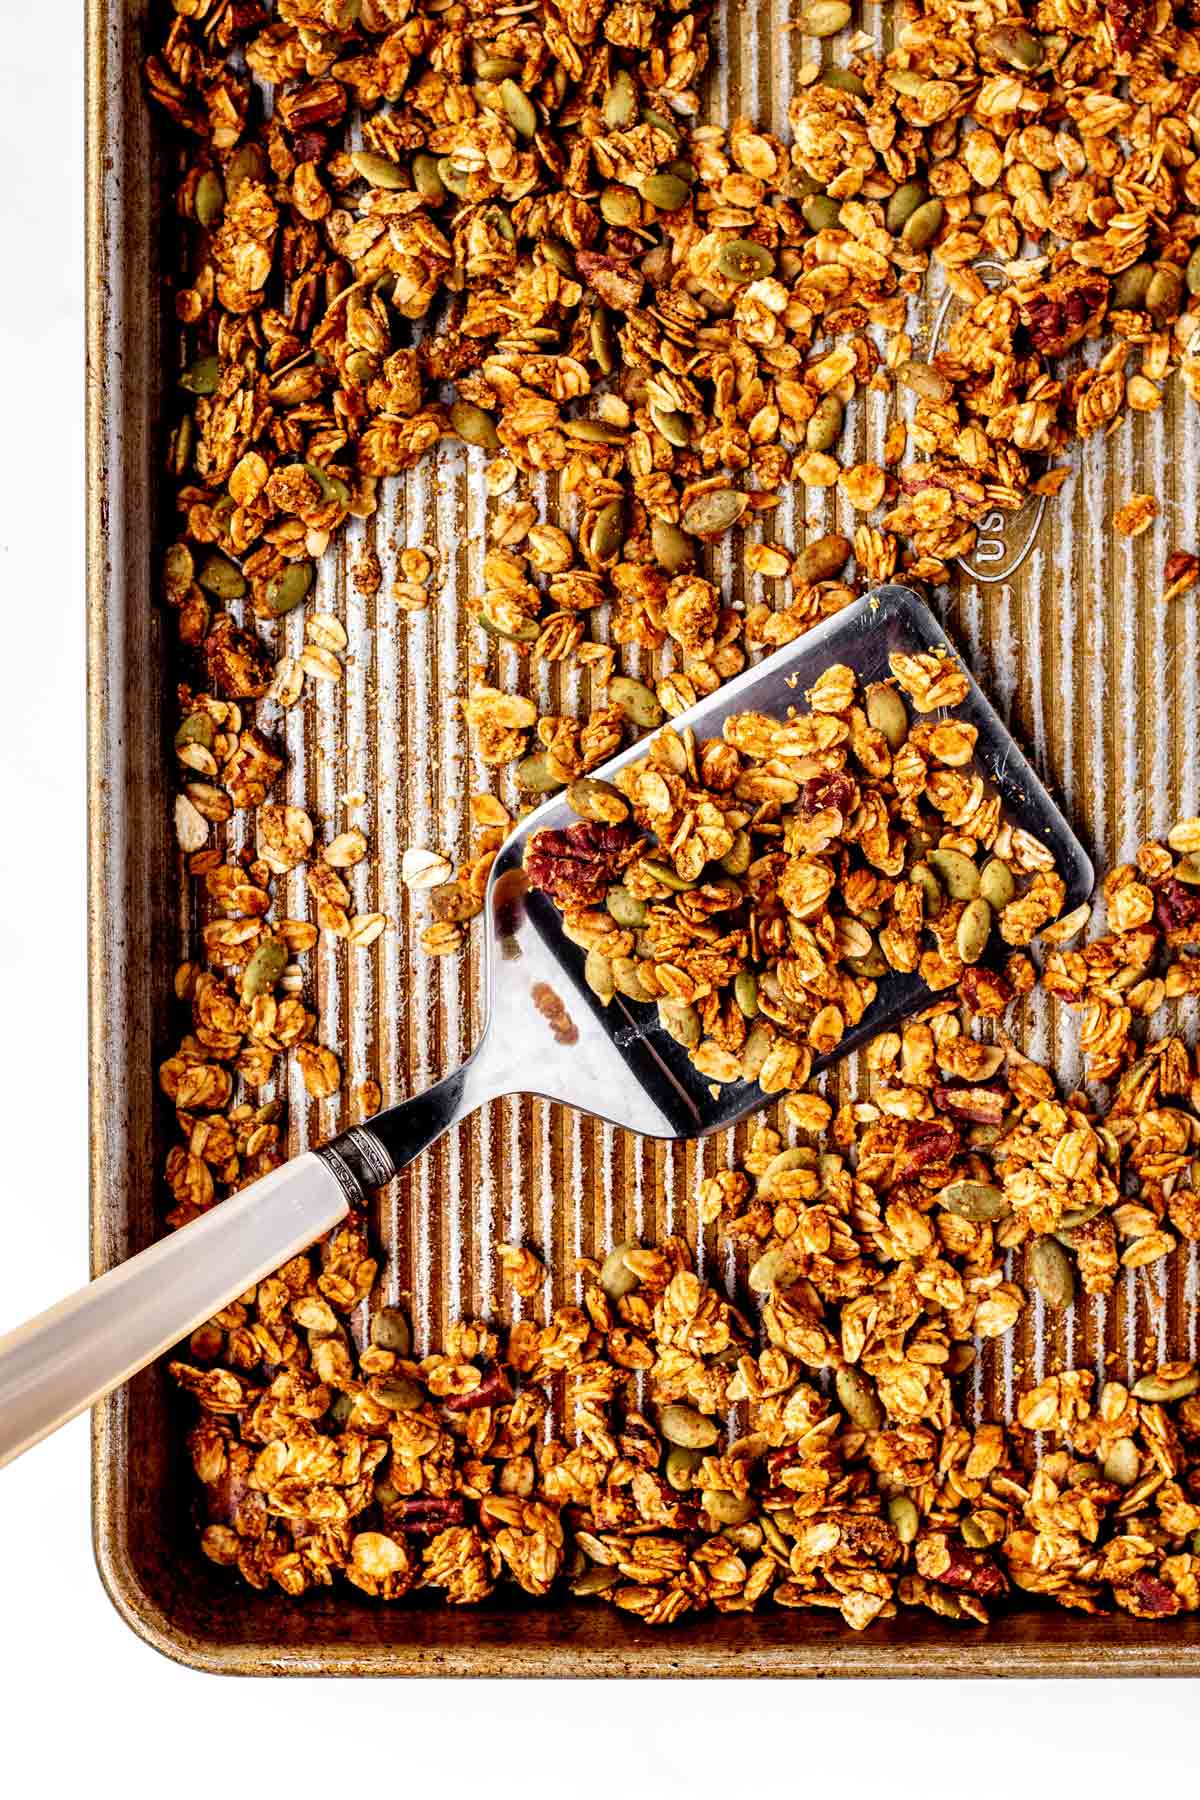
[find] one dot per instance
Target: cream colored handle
(71, 1356)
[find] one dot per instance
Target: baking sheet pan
(1062, 625)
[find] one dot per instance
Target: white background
(82, 1700)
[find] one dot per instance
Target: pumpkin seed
(332, 486)
(390, 1330)
(957, 873)
(620, 102)
(535, 774)
(683, 1425)
(923, 225)
(625, 908)
(680, 1465)
(360, 367)
(871, 965)
(1081, 1215)
(756, 1050)
(620, 206)
(453, 177)
(290, 588)
(598, 973)
(340, 1408)
(1164, 293)
(736, 859)
(903, 204)
(1129, 288)
(672, 549)
(594, 431)
(924, 380)
(1192, 273)
(527, 632)
(660, 122)
(602, 342)
(608, 532)
(495, 68)
(775, 1268)
(825, 426)
(1122, 1463)
(399, 1393)
(596, 1580)
(821, 212)
(676, 427)
(426, 179)
(1010, 43)
(1051, 1273)
(208, 201)
(974, 930)
(996, 883)
(727, 1508)
(666, 192)
(197, 728)
(202, 376)
(887, 712)
(1153, 1387)
(217, 575)
(976, 1201)
(715, 511)
(821, 560)
(845, 81)
(519, 109)
(905, 81)
(745, 992)
(824, 18)
(666, 874)
(922, 876)
(263, 970)
(615, 1279)
(474, 426)
(380, 171)
(680, 1020)
(636, 702)
(904, 1517)
(247, 163)
(858, 1398)
(597, 800)
(629, 981)
(741, 260)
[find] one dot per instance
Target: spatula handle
(71, 1356)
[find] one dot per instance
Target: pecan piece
(982, 1105)
(1146, 1597)
(1064, 312)
(1127, 22)
(838, 792)
(985, 991)
(493, 1390)
(576, 867)
(926, 1144)
(239, 667)
(1176, 906)
(425, 1516)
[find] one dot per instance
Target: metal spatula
(546, 1034)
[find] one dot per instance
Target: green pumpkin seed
(1129, 288)
(845, 81)
(380, 171)
(822, 560)
(625, 908)
(527, 632)
(745, 992)
(903, 204)
(426, 179)
(858, 1398)
(1081, 1215)
(666, 192)
(1010, 43)
(680, 1020)
(825, 426)
(360, 367)
(741, 260)
(923, 225)
(290, 588)
(904, 1518)
(664, 872)
(1122, 1463)
(399, 1393)
(474, 426)
(1154, 1388)
(820, 212)
(602, 341)
(332, 486)
(209, 199)
(660, 122)
(956, 872)
(217, 575)
(1051, 1272)
(1165, 292)
(519, 109)
(636, 702)
(495, 68)
(976, 1201)
(974, 930)
(1192, 274)
(598, 973)
(264, 968)
(608, 532)
(975, 1534)
(535, 775)
(736, 859)
(340, 1408)
(197, 728)
(620, 102)
(887, 713)
(597, 800)
(248, 163)
(824, 18)
(715, 511)
(628, 979)
(596, 1580)
(181, 442)
(455, 179)
(615, 1279)
(871, 966)
(905, 81)
(672, 549)
(756, 1049)
(202, 376)
(680, 1465)
(620, 206)
(727, 1508)
(390, 1330)
(685, 1426)
(593, 431)
(775, 1268)
(675, 426)
(997, 884)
